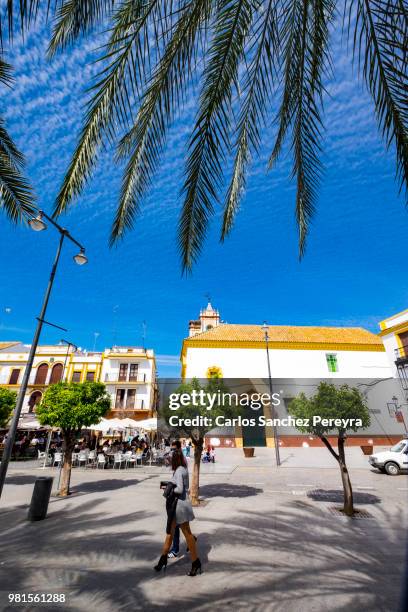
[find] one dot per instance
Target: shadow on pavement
(338, 496)
(270, 558)
(228, 490)
(96, 486)
(21, 480)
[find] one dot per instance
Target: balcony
(401, 354)
(401, 361)
(117, 379)
(130, 405)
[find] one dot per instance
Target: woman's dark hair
(177, 459)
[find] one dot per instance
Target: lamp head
(81, 258)
(37, 224)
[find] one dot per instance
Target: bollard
(40, 498)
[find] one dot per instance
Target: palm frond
(16, 195)
(210, 138)
(9, 149)
(257, 90)
(305, 35)
(381, 43)
(145, 141)
(19, 13)
(6, 76)
(77, 17)
(109, 104)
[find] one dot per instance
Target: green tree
(71, 407)
(16, 196)
(258, 56)
(332, 402)
(197, 431)
(7, 403)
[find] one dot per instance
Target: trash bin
(40, 498)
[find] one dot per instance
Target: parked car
(393, 461)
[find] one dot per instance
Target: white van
(393, 461)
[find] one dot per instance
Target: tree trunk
(195, 482)
(345, 478)
(68, 447)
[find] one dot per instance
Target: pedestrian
(175, 547)
(181, 514)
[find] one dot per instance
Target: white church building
(239, 351)
(300, 357)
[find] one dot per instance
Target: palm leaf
(257, 90)
(305, 35)
(210, 138)
(145, 141)
(110, 103)
(16, 196)
(24, 12)
(381, 44)
(75, 18)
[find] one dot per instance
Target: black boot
(162, 563)
(195, 568)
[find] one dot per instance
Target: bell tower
(209, 318)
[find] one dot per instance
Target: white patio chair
(130, 459)
(75, 459)
(101, 461)
(82, 458)
(91, 462)
(118, 460)
(57, 458)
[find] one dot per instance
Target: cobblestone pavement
(268, 538)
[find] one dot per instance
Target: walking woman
(179, 512)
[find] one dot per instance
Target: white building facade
(300, 358)
(129, 374)
(239, 351)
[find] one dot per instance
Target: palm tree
(16, 197)
(248, 57)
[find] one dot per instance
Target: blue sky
(353, 272)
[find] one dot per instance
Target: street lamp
(38, 225)
(399, 415)
(265, 329)
(69, 346)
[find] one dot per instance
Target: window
(76, 376)
(123, 368)
(56, 373)
(133, 371)
(130, 399)
(90, 376)
(14, 376)
(34, 400)
(332, 363)
(404, 341)
(120, 398)
(42, 373)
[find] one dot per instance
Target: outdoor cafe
(110, 444)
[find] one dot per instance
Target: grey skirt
(184, 511)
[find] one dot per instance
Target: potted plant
(367, 449)
(249, 451)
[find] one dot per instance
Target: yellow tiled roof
(288, 333)
(4, 345)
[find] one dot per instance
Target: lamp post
(69, 346)
(399, 415)
(37, 224)
(265, 329)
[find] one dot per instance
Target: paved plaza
(268, 539)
